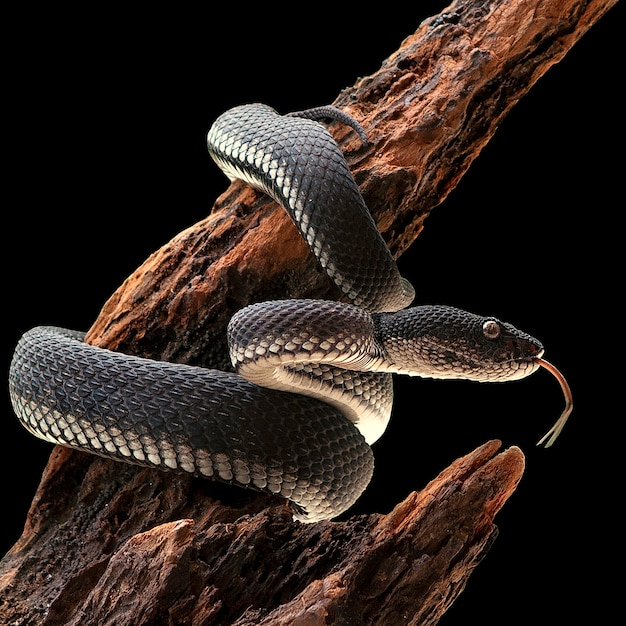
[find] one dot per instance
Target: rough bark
(201, 553)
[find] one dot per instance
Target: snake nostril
(520, 348)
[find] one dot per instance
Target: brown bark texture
(108, 543)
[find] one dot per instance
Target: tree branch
(202, 553)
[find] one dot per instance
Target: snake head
(445, 342)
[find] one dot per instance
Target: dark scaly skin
(297, 162)
(188, 419)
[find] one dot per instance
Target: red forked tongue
(555, 431)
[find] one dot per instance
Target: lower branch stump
(203, 560)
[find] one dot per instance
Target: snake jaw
(527, 350)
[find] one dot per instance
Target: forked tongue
(550, 437)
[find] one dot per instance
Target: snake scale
(312, 388)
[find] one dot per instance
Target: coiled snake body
(313, 384)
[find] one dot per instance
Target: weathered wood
(206, 554)
(192, 554)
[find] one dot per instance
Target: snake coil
(313, 385)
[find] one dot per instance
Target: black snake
(313, 384)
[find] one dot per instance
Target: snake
(311, 388)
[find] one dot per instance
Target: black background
(107, 161)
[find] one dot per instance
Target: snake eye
(491, 329)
